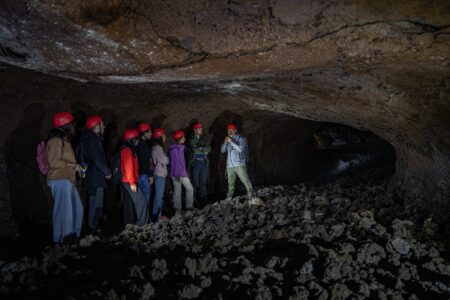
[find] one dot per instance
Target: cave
(345, 107)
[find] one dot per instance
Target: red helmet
(143, 127)
(178, 134)
(62, 118)
(93, 121)
(158, 132)
(197, 125)
(130, 133)
(231, 127)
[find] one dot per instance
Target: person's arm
(159, 157)
(206, 146)
(55, 154)
(98, 157)
(127, 166)
(240, 146)
(223, 148)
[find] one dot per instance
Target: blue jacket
(236, 151)
(94, 156)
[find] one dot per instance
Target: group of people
(140, 167)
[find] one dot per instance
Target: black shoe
(70, 239)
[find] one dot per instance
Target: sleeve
(223, 148)
(206, 146)
(54, 154)
(126, 160)
(159, 157)
(98, 158)
(240, 146)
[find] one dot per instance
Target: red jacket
(129, 166)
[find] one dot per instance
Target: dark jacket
(199, 148)
(145, 158)
(94, 156)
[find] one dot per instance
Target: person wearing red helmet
(160, 161)
(178, 172)
(145, 159)
(61, 176)
(198, 162)
(235, 146)
(135, 206)
(91, 153)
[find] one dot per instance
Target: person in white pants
(178, 172)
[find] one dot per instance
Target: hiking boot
(255, 201)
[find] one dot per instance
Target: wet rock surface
(232, 250)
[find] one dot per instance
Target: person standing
(61, 176)
(160, 161)
(178, 172)
(145, 160)
(235, 146)
(198, 162)
(135, 206)
(97, 171)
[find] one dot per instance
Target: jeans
(144, 186)
(135, 206)
(240, 172)
(177, 182)
(199, 172)
(67, 209)
(160, 184)
(95, 195)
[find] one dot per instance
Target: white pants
(177, 182)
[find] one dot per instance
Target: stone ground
(360, 242)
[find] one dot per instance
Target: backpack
(246, 153)
(41, 157)
(116, 167)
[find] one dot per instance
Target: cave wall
(379, 66)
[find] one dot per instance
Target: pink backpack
(41, 157)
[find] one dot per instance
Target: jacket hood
(177, 146)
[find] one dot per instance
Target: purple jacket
(177, 162)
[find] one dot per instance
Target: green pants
(241, 172)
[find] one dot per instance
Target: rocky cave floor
(362, 243)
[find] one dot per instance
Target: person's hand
(108, 177)
(77, 168)
(152, 180)
(133, 188)
(228, 139)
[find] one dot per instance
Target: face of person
(135, 142)
(72, 127)
(148, 135)
(164, 138)
(232, 132)
(101, 128)
(198, 131)
(182, 140)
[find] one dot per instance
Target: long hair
(158, 141)
(62, 132)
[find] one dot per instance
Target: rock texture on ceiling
(382, 66)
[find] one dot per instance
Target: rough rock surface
(230, 250)
(381, 66)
